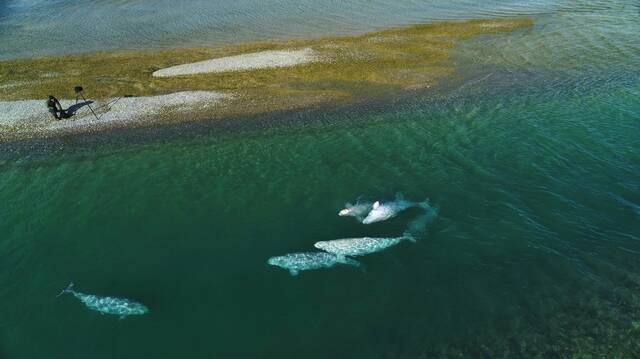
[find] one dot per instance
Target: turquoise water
(531, 152)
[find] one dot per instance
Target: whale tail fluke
(362, 269)
(409, 236)
(426, 205)
(350, 262)
(68, 289)
(357, 264)
(341, 258)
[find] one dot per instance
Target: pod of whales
(335, 252)
(338, 251)
(121, 307)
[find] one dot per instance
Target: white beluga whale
(297, 262)
(108, 305)
(358, 210)
(383, 211)
(359, 246)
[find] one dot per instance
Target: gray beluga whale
(418, 225)
(297, 262)
(108, 305)
(358, 210)
(359, 246)
(383, 211)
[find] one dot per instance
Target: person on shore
(55, 109)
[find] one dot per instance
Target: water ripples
(533, 161)
(33, 28)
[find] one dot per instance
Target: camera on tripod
(59, 113)
(78, 90)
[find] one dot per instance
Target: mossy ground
(403, 58)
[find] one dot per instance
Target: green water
(534, 163)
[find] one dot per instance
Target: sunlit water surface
(532, 154)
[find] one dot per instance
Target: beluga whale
(358, 210)
(121, 307)
(359, 246)
(383, 211)
(418, 226)
(297, 262)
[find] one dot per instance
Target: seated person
(56, 109)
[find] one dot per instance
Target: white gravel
(256, 60)
(32, 115)
(17, 112)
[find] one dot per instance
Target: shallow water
(41, 27)
(532, 154)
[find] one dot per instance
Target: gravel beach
(32, 115)
(256, 60)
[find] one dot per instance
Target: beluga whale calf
(383, 211)
(297, 262)
(121, 307)
(359, 246)
(358, 210)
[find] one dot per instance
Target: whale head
(276, 261)
(344, 212)
(321, 245)
(347, 210)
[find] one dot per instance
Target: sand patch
(256, 60)
(337, 68)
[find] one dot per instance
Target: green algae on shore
(348, 67)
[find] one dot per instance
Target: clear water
(43, 27)
(532, 154)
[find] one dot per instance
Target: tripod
(78, 90)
